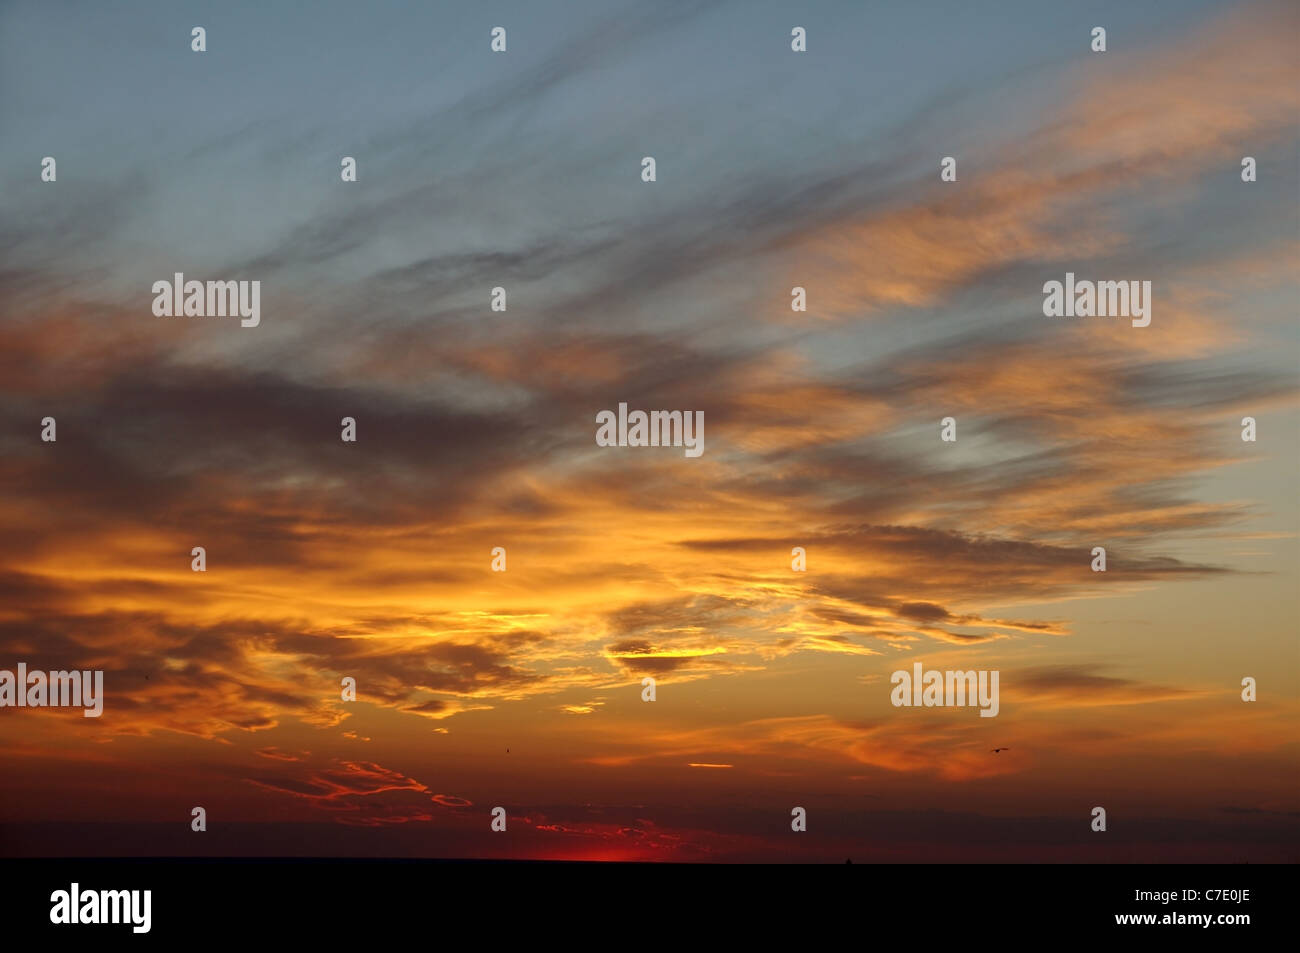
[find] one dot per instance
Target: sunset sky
(475, 429)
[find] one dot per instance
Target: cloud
(342, 779)
(1081, 686)
(475, 428)
(451, 800)
(275, 754)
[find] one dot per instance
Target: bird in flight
(996, 750)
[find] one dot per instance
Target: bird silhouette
(996, 750)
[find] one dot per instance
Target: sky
(476, 429)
